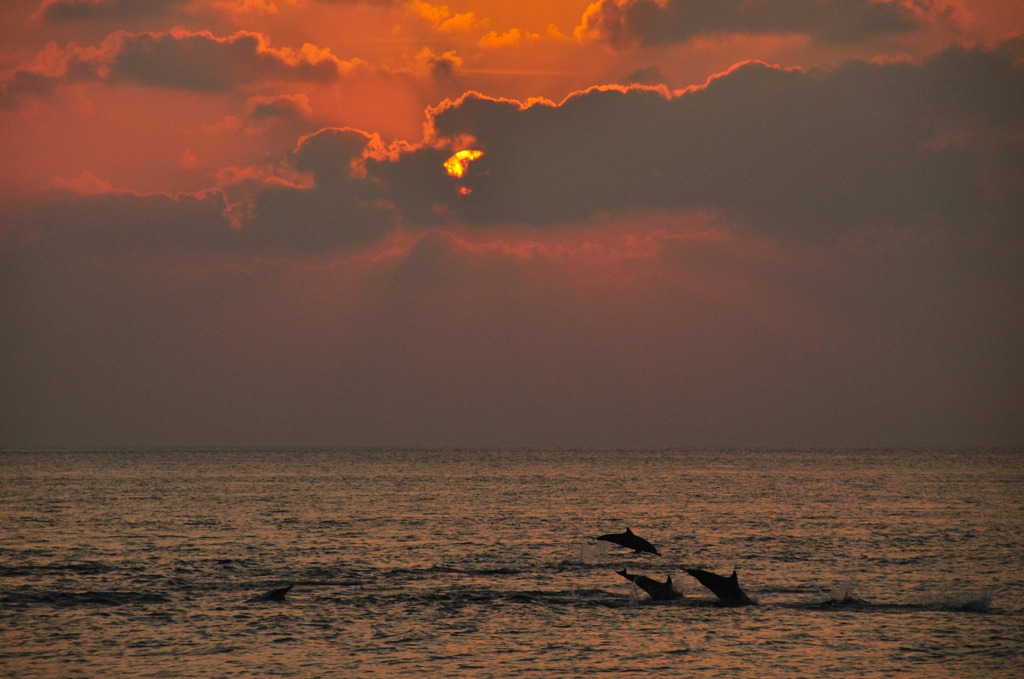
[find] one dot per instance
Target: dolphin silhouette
(658, 591)
(273, 595)
(727, 589)
(630, 540)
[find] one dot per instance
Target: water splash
(634, 594)
(842, 594)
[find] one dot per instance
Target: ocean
(483, 563)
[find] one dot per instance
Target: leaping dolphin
(658, 591)
(273, 595)
(630, 540)
(727, 589)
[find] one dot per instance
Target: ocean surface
(483, 563)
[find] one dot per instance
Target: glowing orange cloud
(457, 164)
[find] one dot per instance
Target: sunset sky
(611, 223)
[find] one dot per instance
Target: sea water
(483, 562)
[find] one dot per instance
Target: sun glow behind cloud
(457, 165)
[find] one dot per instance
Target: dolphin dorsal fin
(733, 576)
(628, 530)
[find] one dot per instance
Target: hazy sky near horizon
(678, 223)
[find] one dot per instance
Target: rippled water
(481, 563)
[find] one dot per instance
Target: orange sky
(691, 221)
(136, 135)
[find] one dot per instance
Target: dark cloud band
(797, 155)
(661, 22)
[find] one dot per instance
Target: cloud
(85, 184)
(321, 202)
(442, 19)
(59, 11)
(65, 11)
(800, 154)
(663, 22)
(179, 59)
(284, 107)
(19, 84)
(202, 61)
(650, 75)
(243, 7)
(340, 210)
(88, 214)
(188, 160)
(286, 115)
(270, 210)
(251, 211)
(510, 38)
(442, 68)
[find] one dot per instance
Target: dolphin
(273, 595)
(658, 591)
(630, 540)
(727, 589)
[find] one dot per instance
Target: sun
(457, 164)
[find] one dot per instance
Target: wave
(81, 568)
(841, 596)
(347, 583)
(80, 598)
